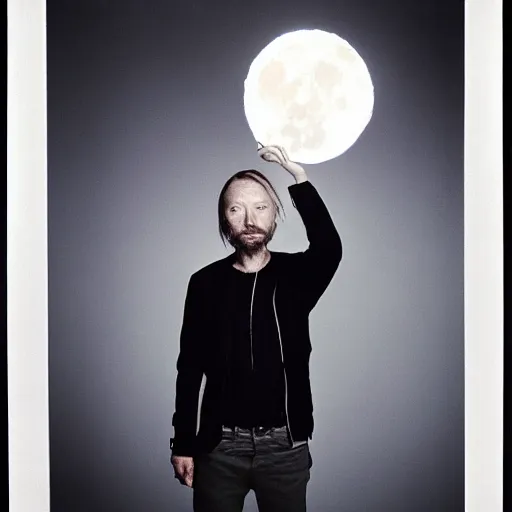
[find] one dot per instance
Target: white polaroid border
(27, 275)
(27, 291)
(483, 256)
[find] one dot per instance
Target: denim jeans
(246, 459)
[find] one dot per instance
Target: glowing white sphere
(310, 92)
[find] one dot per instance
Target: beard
(242, 242)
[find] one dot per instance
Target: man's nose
(249, 218)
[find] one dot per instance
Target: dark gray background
(145, 123)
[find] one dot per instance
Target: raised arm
(317, 265)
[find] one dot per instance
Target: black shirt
(255, 389)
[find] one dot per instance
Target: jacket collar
(230, 259)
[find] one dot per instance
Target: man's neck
(251, 262)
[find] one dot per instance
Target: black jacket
(205, 335)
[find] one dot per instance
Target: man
(246, 329)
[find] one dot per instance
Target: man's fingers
(284, 152)
(270, 156)
(189, 475)
(184, 472)
(185, 479)
(276, 149)
(269, 149)
(273, 154)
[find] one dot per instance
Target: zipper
(250, 319)
(200, 402)
(284, 368)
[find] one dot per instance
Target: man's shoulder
(211, 269)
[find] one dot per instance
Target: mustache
(253, 231)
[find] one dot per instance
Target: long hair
(256, 176)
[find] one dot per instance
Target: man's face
(251, 215)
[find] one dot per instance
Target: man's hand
(183, 469)
(278, 155)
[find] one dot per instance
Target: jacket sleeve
(318, 264)
(190, 373)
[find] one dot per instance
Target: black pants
(245, 460)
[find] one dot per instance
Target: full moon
(310, 92)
